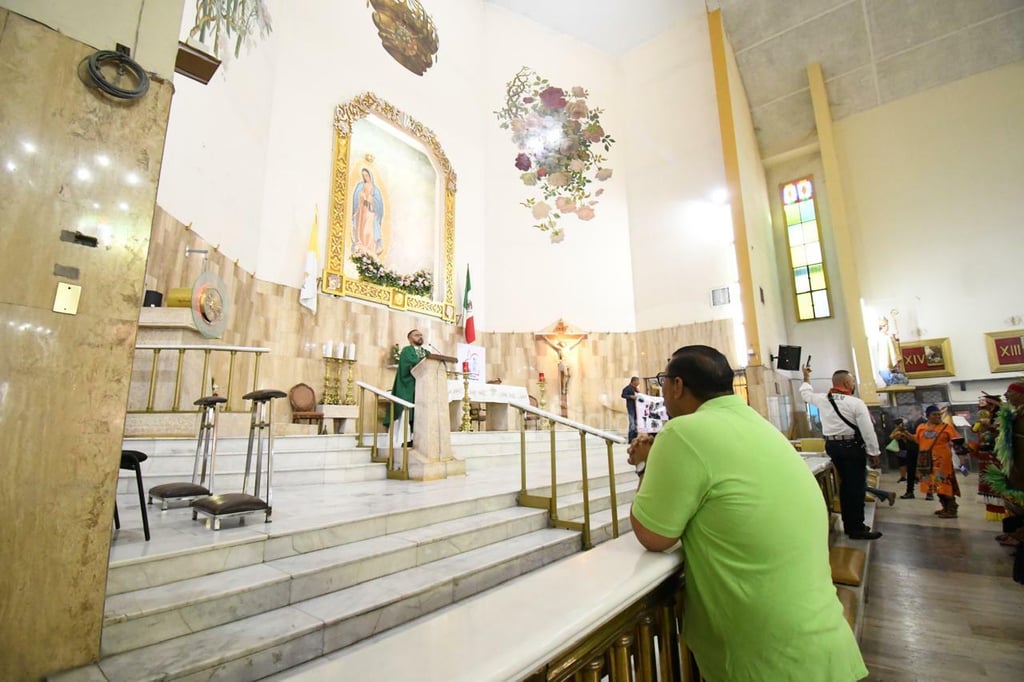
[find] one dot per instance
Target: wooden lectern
(431, 455)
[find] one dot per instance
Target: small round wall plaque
(210, 305)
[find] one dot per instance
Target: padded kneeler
(848, 598)
(847, 565)
(229, 505)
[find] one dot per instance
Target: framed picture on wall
(1005, 350)
(927, 358)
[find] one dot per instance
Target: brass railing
(204, 383)
(392, 400)
(550, 503)
(643, 642)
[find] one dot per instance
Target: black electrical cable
(98, 59)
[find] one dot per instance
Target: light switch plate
(66, 300)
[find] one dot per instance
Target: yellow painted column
(732, 181)
(841, 234)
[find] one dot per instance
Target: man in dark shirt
(629, 394)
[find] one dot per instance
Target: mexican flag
(467, 311)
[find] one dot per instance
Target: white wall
(934, 183)
(149, 29)
(587, 277)
(681, 241)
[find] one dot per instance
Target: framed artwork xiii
(1005, 350)
(925, 358)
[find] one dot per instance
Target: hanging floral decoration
(558, 134)
(419, 283)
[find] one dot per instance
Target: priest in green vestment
(405, 382)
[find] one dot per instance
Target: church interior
(225, 217)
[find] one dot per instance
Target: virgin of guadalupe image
(367, 214)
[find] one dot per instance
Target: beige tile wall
(269, 315)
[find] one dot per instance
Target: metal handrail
(392, 399)
(207, 350)
(551, 503)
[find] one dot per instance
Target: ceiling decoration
(407, 33)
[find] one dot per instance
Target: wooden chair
(303, 401)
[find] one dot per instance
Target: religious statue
(367, 214)
(888, 357)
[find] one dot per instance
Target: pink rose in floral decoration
(559, 137)
(553, 98)
(585, 213)
(578, 109)
(565, 205)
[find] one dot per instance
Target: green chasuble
(405, 382)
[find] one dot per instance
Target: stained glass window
(806, 260)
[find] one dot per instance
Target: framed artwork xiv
(1005, 350)
(925, 358)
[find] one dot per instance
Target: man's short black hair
(632, 379)
(704, 370)
(411, 332)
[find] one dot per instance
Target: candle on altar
(351, 353)
(541, 377)
(465, 367)
(329, 349)
(339, 350)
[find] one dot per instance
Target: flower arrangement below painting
(419, 283)
(558, 134)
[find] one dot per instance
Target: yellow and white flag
(308, 293)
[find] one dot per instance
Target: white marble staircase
(342, 561)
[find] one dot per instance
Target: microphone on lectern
(434, 348)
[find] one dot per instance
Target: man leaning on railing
(760, 603)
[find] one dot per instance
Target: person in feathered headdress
(1008, 478)
(984, 452)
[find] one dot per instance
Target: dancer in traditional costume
(984, 453)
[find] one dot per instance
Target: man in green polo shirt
(760, 604)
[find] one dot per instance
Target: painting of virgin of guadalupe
(367, 214)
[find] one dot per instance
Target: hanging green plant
(240, 20)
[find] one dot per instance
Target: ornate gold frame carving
(334, 280)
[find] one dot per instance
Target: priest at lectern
(405, 383)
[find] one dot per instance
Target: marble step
(147, 616)
(228, 481)
(260, 645)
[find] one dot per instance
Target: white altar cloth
(497, 395)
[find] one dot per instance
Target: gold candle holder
(332, 381)
(350, 389)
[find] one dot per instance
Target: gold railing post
(522, 452)
(231, 375)
(592, 671)
(152, 380)
(554, 473)
(359, 417)
(177, 380)
(645, 647)
(668, 651)
(587, 540)
(611, 488)
(620, 668)
(206, 374)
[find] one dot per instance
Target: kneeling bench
(847, 565)
(848, 598)
(217, 507)
(206, 456)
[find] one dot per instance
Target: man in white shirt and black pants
(849, 441)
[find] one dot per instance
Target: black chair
(132, 459)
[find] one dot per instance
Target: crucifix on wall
(562, 338)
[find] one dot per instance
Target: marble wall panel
(72, 161)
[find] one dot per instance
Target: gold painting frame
(927, 358)
(1005, 350)
(334, 280)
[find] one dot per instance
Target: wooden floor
(942, 603)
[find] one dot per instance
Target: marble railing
(394, 469)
